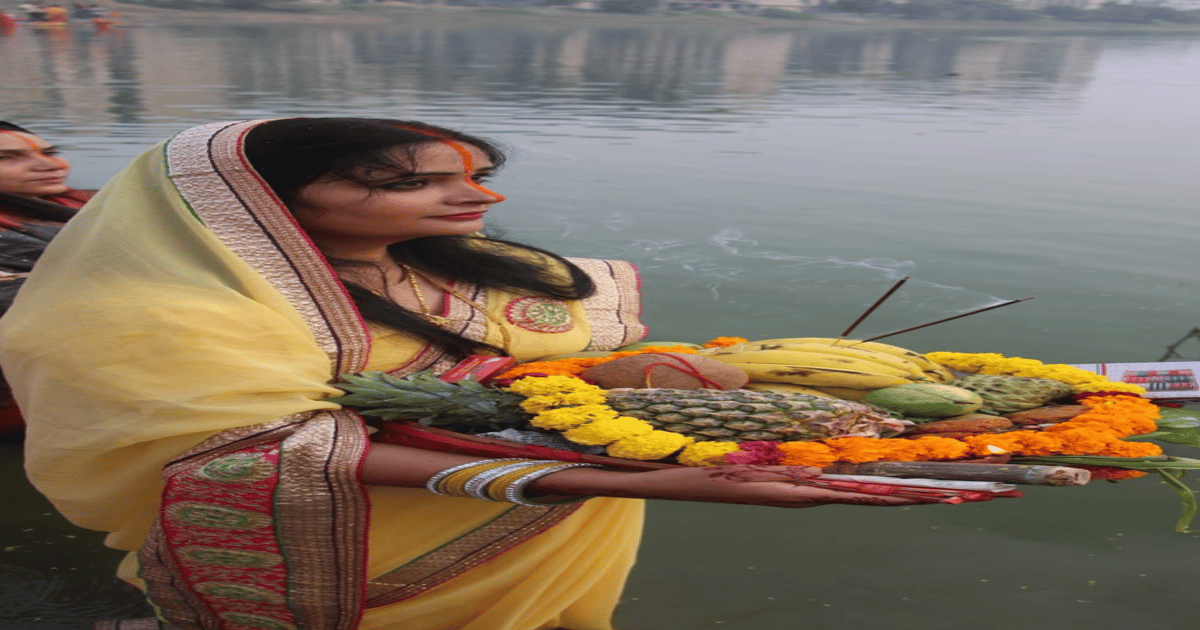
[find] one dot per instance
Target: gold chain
(412, 274)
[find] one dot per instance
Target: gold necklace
(412, 274)
(426, 314)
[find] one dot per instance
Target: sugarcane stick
(1005, 473)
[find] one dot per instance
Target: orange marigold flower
(724, 342)
(1121, 448)
(574, 366)
(806, 454)
(860, 449)
(933, 447)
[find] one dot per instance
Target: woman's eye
(479, 179)
(406, 184)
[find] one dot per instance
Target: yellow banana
(911, 355)
(818, 376)
(816, 360)
(845, 393)
(939, 372)
(787, 388)
(917, 370)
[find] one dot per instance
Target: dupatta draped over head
(172, 353)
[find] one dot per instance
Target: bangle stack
(499, 480)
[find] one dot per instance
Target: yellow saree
(172, 353)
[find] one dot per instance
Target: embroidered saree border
(208, 168)
(220, 556)
(615, 310)
(462, 554)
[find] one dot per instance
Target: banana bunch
(838, 368)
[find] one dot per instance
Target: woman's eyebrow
(27, 151)
(485, 169)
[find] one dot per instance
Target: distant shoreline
(431, 15)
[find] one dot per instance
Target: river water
(768, 183)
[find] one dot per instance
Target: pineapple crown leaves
(428, 399)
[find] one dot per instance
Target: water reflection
(166, 71)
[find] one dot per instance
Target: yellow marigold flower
(538, 404)
(565, 418)
(1110, 386)
(991, 363)
(706, 453)
(608, 430)
(650, 446)
(540, 385)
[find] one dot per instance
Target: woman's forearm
(394, 465)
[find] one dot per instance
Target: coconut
(667, 370)
(930, 400)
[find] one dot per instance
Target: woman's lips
(466, 216)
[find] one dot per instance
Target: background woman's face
(30, 166)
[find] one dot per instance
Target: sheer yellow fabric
(141, 334)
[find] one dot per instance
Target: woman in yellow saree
(174, 348)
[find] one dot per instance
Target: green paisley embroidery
(229, 557)
(216, 516)
(257, 621)
(240, 592)
(237, 468)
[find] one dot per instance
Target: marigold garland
(575, 407)
(997, 364)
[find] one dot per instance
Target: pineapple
(743, 415)
(737, 415)
(1005, 394)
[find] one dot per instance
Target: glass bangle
(454, 484)
(495, 490)
(514, 492)
(437, 477)
(475, 485)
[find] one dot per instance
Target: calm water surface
(767, 183)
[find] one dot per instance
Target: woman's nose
(479, 194)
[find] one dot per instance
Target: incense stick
(946, 319)
(872, 308)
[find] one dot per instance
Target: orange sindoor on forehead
(57, 161)
(469, 168)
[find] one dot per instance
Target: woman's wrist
(582, 482)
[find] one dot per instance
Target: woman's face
(443, 196)
(30, 166)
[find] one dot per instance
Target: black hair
(7, 126)
(294, 152)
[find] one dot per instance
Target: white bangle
(514, 492)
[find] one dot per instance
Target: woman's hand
(751, 485)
